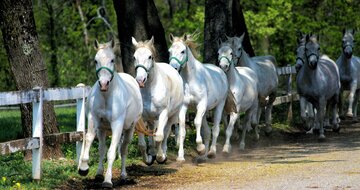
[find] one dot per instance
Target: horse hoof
(83, 172)
(227, 149)
(178, 159)
(107, 185)
(242, 146)
(161, 162)
(349, 115)
(201, 149)
(321, 137)
(211, 154)
(99, 178)
(336, 129)
(152, 160)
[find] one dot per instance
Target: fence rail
(37, 96)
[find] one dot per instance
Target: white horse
(264, 67)
(243, 85)
(162, 92)
(205, 87)
(114, 103)
(349, 68)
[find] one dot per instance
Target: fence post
(289, 93)
(80, 121)
(37, 132)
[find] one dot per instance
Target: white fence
(37, 96)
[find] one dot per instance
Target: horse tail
(141, 128)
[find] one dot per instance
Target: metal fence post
(80, 121)
(37, 132)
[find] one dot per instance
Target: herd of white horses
(161, 93)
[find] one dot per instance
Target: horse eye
(318, 48)
(95, 62)
(134, 57)
(231, 54)
(150, 57)
(239, 49)
(183, 52)
(112, 61)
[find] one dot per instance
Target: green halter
(186, 59)
(106, 68)
(224, 57)
(142, 66)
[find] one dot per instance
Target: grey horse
(318, 81)
(264, 67)
(349, 68)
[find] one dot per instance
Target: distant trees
(223, 17)
(27, 64)
(139, 18)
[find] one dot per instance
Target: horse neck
(244, 60)
(231, 73)
(152, 76)
(190, 70)
(345, 62)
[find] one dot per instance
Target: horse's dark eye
(134, 57)
(150, 57)
(318, 48)
(112, 61)
(239, 49)
(183, 52)
(95, 62)
(231, 53)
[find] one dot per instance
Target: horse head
(178, 52)
(312, 51)
(225, 56)
(144, 59)
(237, 46)
(348, 42)
(105, 65)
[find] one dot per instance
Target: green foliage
(10, 123)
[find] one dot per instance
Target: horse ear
(96, 44)
(185, 37)
(151, 41)
(112, 42)
(307, 37)
(171, 37)
(134, 42)
(242, 37)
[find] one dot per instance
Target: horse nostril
(144, 80)
(107, 82)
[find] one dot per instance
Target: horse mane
(190, 41)
(146, 44)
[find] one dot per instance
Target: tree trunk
(223, 17)
(139, 18)
(27, 65)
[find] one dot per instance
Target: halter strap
(317, 57)
(106, 68)
(347, 46)
(142, 66)
(301, 59)
(224, 57)
(186, 59)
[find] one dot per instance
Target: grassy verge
(15, 172)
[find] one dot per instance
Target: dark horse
(349, 69)
(318, 81)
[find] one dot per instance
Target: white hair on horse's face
(177, 54)
(143, 61)
(105, 66)
(225, 57)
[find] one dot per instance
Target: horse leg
(229, 130)
(206, 132)
(320, 114)
(356, 99)
(351, 99)
(254, 120)
(336, 127)
(163, 119)
(216, 128)
(201, 109)
(268, 111)
(116, 129)
(341, 102)
(162, 149)
(128, 135)
(247, 125)
(101, 133)
(147, 159)
(93, 123)
(182, 133)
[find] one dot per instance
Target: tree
(223, 17)
(27, 65)
(139, 18)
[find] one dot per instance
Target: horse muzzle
(104, 85)
(348, 52)
(141, 82)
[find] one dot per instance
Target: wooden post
(289, 93)
(80, 121)
(37, 132)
